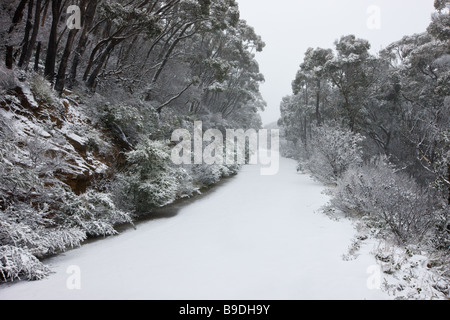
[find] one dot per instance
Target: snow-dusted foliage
(332, 151)
(83, 136)
(18, 264)
(188, 186)
(42, 91)
(93, 212)
(44, 157)
(128, 121)
(395, 105)
(207, 175)
(29, 229)
(149, 180)
(391, 199)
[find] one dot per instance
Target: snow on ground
(253, 237)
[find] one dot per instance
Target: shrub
(208, 175)
(441, 240)
(129, 121)
(332, 151)
(376, 190)
(27, 228)
(19, 264)
(187, 186)
(149, 180)
(93, 212)
(43, 92)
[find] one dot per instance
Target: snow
(74, 137)
(30, 97)
(23, 126)
(253, 237)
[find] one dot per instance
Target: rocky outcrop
(61, 130)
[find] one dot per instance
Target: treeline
(198, 54)
(378, 127)
(87, 114)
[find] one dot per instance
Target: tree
(312, 75)
(34, 34)
(16, 19)
(397, 104)
(28, 27)
(89, 14)
(52, 47)
(150, 180)
(351, 71)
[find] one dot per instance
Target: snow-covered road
(253, 237)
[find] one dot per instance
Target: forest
(87, 109)
(92, 93)
(376, 127)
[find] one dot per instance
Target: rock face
(61, 131)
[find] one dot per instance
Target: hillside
(87, 112)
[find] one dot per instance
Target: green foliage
(95, 213)
(129, 121)
(149, 180)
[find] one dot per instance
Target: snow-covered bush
(208, 175)
(93, 212)
(30, 229)
(412, 274)
(441, 239)
(129, 121)
(149, 180)
(390, 198)
(23, 172)
(230, 170)
(19, 264)
(187, 186)
(27, 234)
(332, 151)
(42, 91)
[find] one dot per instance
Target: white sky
(290, 27)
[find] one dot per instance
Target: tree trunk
(101, 60)
(9, 59)
(61, 77)
(448, 177)
(37, 57)
(81, 47)
(318, 115)
(305, 132)
(18, 14)
(37, 17)
(52, 48)
(93, 59)
(44, 13)
(161, 107)
(169, 53)
(351, 116)
(26, 38)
